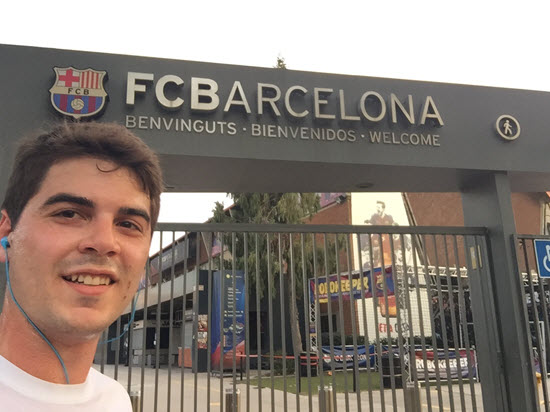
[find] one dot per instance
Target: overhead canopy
(234, 128)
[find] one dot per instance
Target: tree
(280, 63)
(283, 208)
(270, 208)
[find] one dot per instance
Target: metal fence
(304, 317)
(536, 298)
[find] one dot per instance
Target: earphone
(4, 242)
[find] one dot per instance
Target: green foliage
(342, 382)
(278, 364)
(263, 208)
(280, 63)
(271, 250)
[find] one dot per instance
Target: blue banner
(363, 358)
(233, 334)
(430, 368)
(371, 284)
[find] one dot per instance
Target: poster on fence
(457, 367)
(357, 287)
(232, 335)
(351, 286)
(363, 359)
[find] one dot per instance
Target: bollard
(229, 397)
(411, 397)
(326, 398)
(135, 398)
(539, 388)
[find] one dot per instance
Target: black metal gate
(305, 317)
(536, 305)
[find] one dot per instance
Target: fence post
(135, 399)
(411, 397)
(326, 398)
(299, 372)
(500, 322)
(354, 379)
(232, 398)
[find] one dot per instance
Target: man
(77, 218)
(380, 218)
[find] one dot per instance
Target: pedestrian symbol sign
(542, 253)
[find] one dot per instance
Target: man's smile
(89, 280)
(89, 284)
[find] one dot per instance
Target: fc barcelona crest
(78, 93)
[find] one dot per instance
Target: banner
(222, 340)
(326, 199)
(352, 286)
(457, 367)
(363, 358)
(380, 209)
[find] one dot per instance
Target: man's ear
(5, 230)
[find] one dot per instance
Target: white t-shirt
(21, 392)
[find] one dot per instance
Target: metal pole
(504, 352)
(232, 399)
(327, 398)
(411, 397)
(355, 371)
(135, 398)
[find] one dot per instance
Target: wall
(445, 209)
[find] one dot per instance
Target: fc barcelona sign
(78, 93)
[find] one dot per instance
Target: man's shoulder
(104, 382)
(20, 391)
(109, 389)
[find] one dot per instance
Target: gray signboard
(234, 128)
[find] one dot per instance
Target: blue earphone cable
(5, 245)
(31, 322)
(134, 304)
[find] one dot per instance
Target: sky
(488, 43)
(492, 43)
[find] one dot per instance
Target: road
(195, 395)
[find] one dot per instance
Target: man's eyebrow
(68, 198)
(83, 201)
(132, 211)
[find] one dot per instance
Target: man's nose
(101, 238)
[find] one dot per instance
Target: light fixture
(341, 199)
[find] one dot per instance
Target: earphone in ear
(6, 244)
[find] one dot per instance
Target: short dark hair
(382, 203)
(107, 141)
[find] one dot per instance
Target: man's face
(80, 247)
(379, 208)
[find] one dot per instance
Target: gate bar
(339, 229)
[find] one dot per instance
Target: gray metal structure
(243, 129)
(435, 338)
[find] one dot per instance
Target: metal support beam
(504, 354)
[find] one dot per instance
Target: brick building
(531, 213)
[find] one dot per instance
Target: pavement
(187, 391)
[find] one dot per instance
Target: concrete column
(504, 353)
